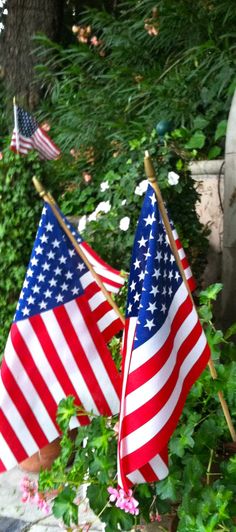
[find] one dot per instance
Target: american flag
(28, 135)
(55, 348)
(164, 352)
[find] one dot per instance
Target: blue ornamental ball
(163, 127)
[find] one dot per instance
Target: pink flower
(1, 156)
(30, 493)
(95, 41)
(87, 177)
(124, 501)
(45, 126)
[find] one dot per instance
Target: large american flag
(165, 350)
(56, 347)
(28, 135)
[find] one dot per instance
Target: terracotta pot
(46, 456)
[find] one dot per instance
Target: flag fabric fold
(56, 347)
(164, 351)
(28, 135)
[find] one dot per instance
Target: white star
(30, 272)
(41, 278)
(26, 311)
(149, 324)
(165, 257)
(170, 291)
(156, 273)
(160, 239)
(152, 307)
(34, 261)
(137, 264)
(146, 255)
(48, 293)
(71, 252)
(158, 256)
(36, 289)
(56, 243)
(44, 211)
(170, 274)
(53, 282)
(75, 291)
(141, 276)
(46, 267)
(59, 298)
(69, 275)
(80, 266)
(150, 219)
(142, 242)
(51, 255)
(132, 286)
(163, 309)
(153, 199)
(44, 239)
(154, 290)
(25, 284)
(172, 259)
(64, 287)
(49, 227)
(43, 305)
(164, 292)
(136, 296)
(62, 259)
(177, 276)
(129, 308)
(165, 274)
(57, 271)
(38, 250)
(30, 300)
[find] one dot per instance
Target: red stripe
(81, 357)
(104, 353)
(22, 406)
(154, 364)
(2, 467)
(11, 439)
(101, 261)
(33, 373)
(150, 408)
(112, 329)
(145, 453)
(55, 362)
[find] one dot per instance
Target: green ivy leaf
(66, 409)
(168, 488)
(64, 507)
(98, 497)
(210, 293)
(197, 141)
(214, 152)
(221, 129)
(230, 331)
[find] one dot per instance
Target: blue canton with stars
(54, 271)
(154, 274)
(27, 124)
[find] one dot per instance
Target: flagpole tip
(149, 168)
(14, 100)
(39, 187)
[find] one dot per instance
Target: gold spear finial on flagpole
(49, 199)
(150, 173)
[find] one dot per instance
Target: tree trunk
(25, 18)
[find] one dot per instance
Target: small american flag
(28, 135)
(55, 348)
(164, 352)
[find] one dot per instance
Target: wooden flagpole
(16, 125)
(49, 199)
(150, 173)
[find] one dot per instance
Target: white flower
(123, 202)
(82, 223)
(141, 188)
(103, 206)
(93, 216)
(124, 223)
(104, 186)
(173, 178)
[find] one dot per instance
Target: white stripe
(136, 477)
(66, 356)
(151, 428)
(101, 269)
(86, 279)
(151, 387)
(29, 392)
(96, 300)
(146, 351)
(93, 357)
(159, 467)
(40, 360)
(181, 253)
(175, 234)
(40, 145)
(6, 455)
(106, 320)
(188, 272)
(47, 143)
(16, 421)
